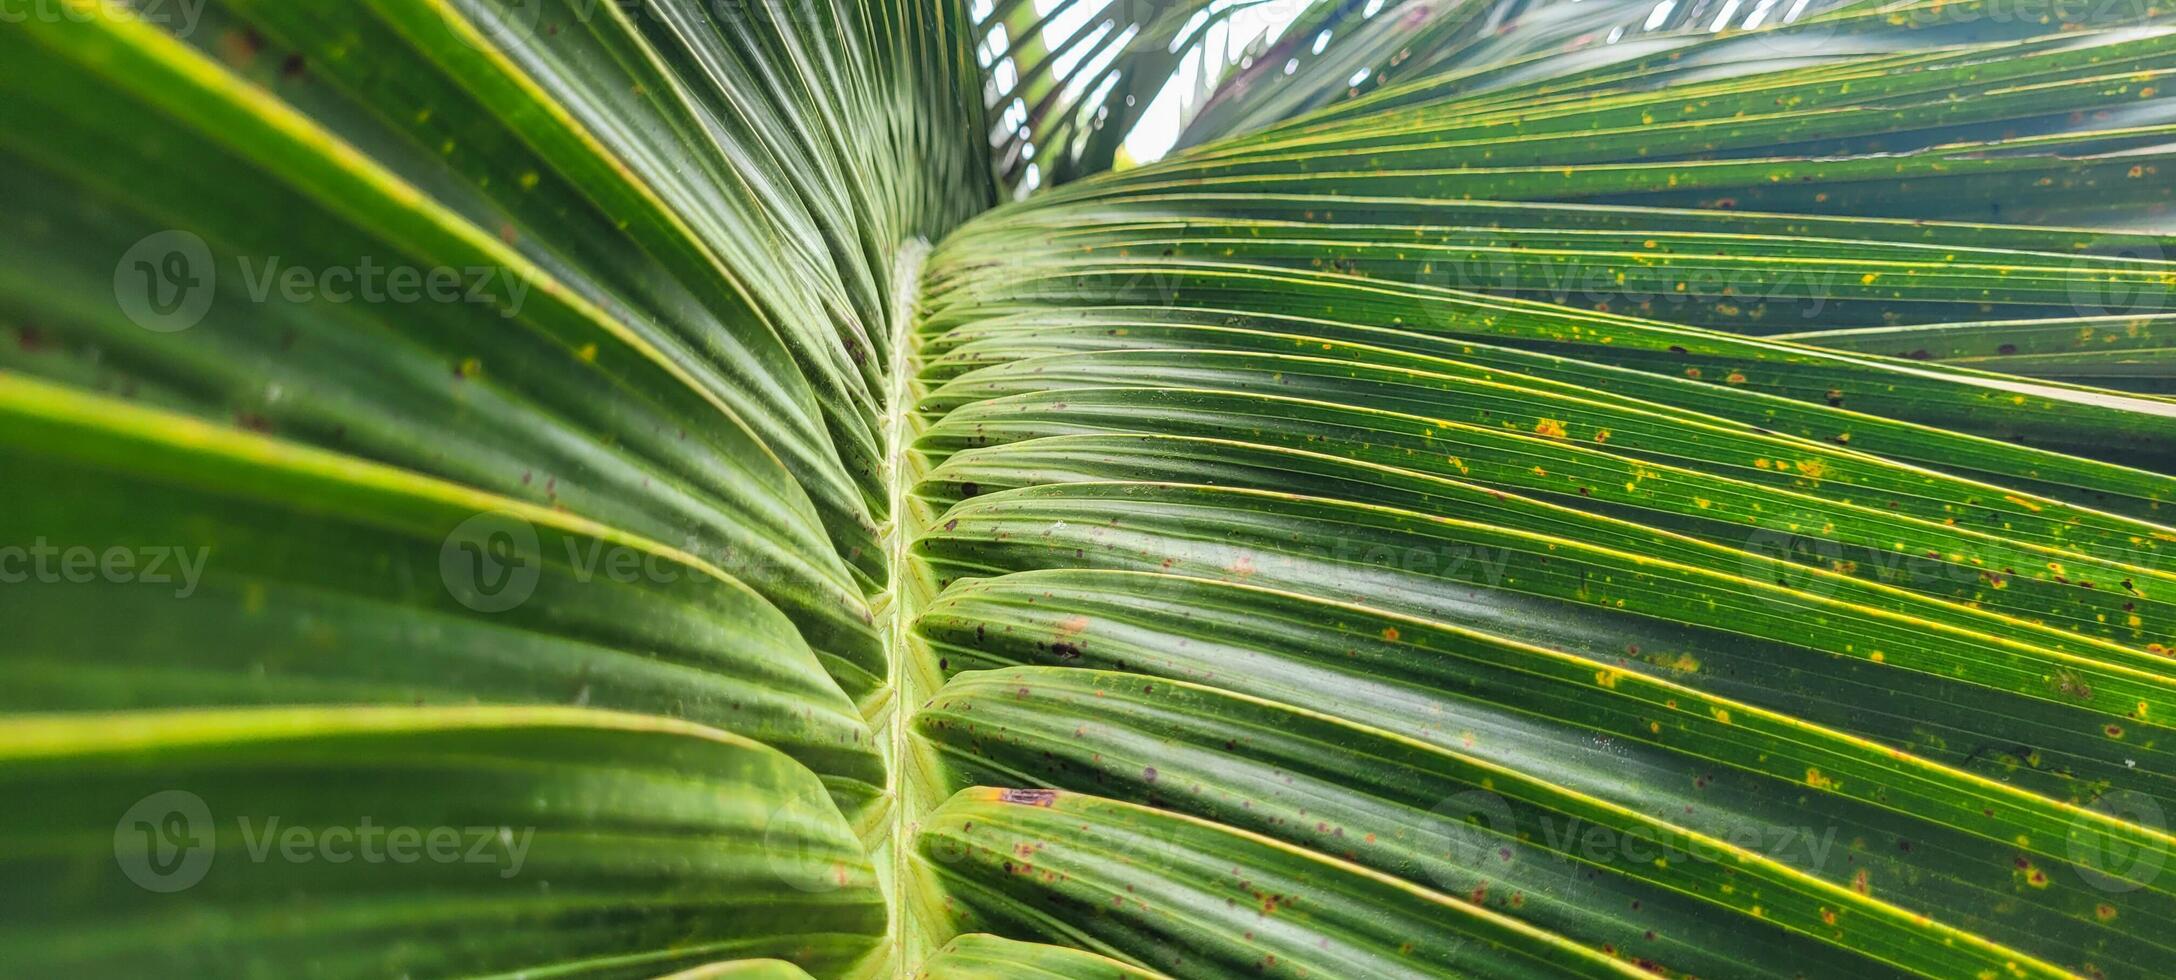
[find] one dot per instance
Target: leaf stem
(902, 595)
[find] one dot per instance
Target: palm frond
(1527, 489)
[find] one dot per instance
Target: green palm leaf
(553, 488)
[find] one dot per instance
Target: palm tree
(604, 488)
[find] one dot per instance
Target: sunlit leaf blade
(1108, 874)
(1965, 571)
(1529, 721)
(1301, 486)
(531, 371)
(744, 970)
(2130, 353)
(398, 598)
(981, 956)
(471, 353)
(1990, 406)
(588, 843)
(1441, 818)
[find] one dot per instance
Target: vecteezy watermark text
(168, 842)
(368, 281)
(47, 563)
(373, 843)
(167, 282)
(492, 562)
(177, 17)
(1476, 827)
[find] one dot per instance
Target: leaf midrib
(898, 538)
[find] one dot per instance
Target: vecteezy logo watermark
(1477, 829)
(1791, 555)
(2108, 860)
(167, 842)
(177, 17)
(167, 282)
(49, 564)
(491, 562)
(2120, 275)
